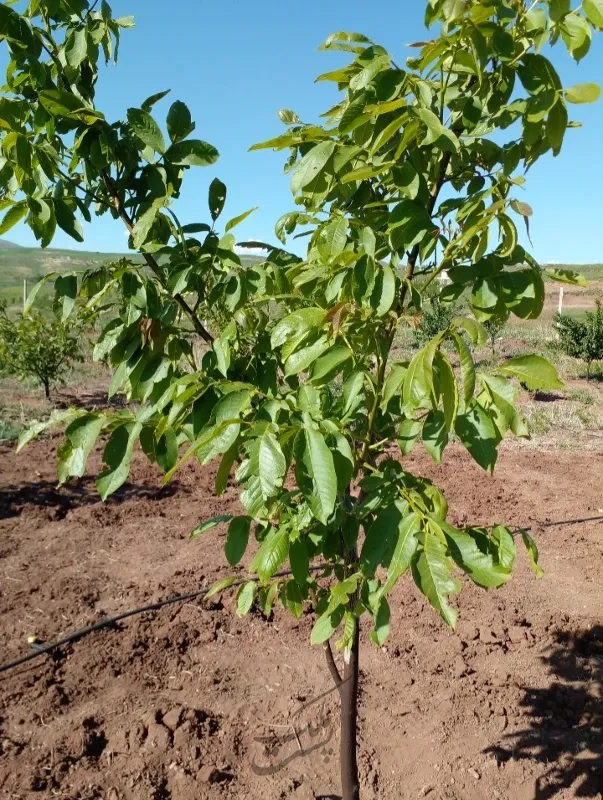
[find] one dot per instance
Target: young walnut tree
(416, 170)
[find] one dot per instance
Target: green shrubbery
(582, 338)
(33, 346)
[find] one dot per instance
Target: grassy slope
(32, 263)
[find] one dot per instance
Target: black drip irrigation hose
(41, 649)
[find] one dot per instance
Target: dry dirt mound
(192, 702)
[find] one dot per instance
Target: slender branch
(83, 189)
(152, 261)
(337, 679)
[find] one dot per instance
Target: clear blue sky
(236, 63)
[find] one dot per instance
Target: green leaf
(296, 323)
(300, 561)
(153, 99)
(408, 433)
(80, 438)
(65, 104)
(477, 432)
(146, 129)
(472, 552)
(219, 586)
(143, 226)
(384, 293)
(576, 33)
(436, 131)
(238, 537)
(392, 385)
(272, 553)
(327, 366)
(304, 358)
(380, 537)
(318, 461)
(435, 434)
(36, 427)
(363, 78)
(288, 117)
(530, 546)
(352, 392)
(556, 126)
(14, 215)
(192, 153)
(467, 367)
(66, 287)
(432, 572)
(67, 221)
(76, 48)
(166, 450)
(116, 458)
(217, 198)
(179, 121)
(272, 465)
(380, 632)
(407, 179)
(505, 546)
(294, 599)
(485, 294)
(418, 381)
(126, 22)
(594, 12)
(209, 524)
(566, 276)
(237, 220)
(245, 598)
(332, 238)
(226, 464)
(349, 632)
(406, 545)
(583, 93)
(475, 330)
(449, 389)
(36, 289)
(326, 625)
(532, 370)
(311, 165)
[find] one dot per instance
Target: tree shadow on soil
(90, 400)
(565, 733)
(83, 492)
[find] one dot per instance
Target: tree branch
(152, 261)
(337, 679)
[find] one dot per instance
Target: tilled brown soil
(170, 705)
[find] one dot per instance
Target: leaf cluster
(299, 397)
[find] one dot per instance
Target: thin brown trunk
(350, 785)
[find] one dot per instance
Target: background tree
(493, 328)
(404, 152)
(582, 338)
(32, 346)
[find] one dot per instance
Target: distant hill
(6, 245)
(32, 263)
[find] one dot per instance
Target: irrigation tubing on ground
(109, 621)
(182, 598)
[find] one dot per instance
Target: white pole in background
(24, 292)
(560, 299)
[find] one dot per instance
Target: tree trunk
(348, 690)
(47, 390)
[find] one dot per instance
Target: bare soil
(170, 705)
